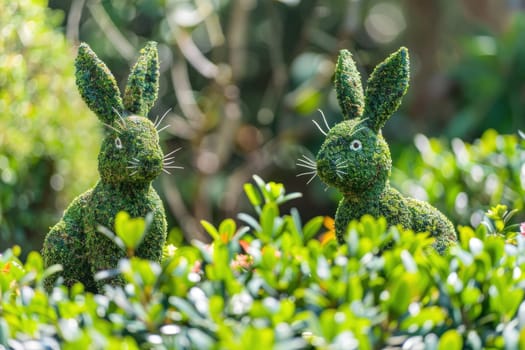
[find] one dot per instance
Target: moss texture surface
(356, 160)
(130, 158)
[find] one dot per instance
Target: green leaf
(249, 220)
(51, 270)
(400, 298)
(276, 190)
(268, 216)
(288, 197)
(253, 195)
(262, 186)
(212, 231)
(130, 230)
(429, 317)
(4, 332)
(228, 228)
(450, 340)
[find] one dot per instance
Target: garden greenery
(464, 179)
(43, 163)
(272, 284)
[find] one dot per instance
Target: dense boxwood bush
(47, 135)
(273, 284)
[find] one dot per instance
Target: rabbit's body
(129, 160)
(65, 244)
(356, 159)
(398, 210)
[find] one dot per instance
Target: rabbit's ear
(386, 86)
(143, 82)
(97, 85)
(348, 86)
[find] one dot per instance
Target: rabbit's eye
(118, 143)
(356, 145)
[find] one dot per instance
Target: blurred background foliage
(47, 136)
(244, 79)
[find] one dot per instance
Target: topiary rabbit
(355, 158)
(130, 159)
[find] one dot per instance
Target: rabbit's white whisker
(163, 128)
(168, 159)
(132, 166)
(168, 163)
(169, 154)
(173, 167)
(119, 124)
(161, 119)
(353, 131)
(319, 127)
(361, 121)
(307, 166)
(136, 160)
(133, 173)
(167, 172)
(307, 160)
(341, 163)
(112, 128)
(324, 118)
(307, 173)
(313, 177)
(356, 131)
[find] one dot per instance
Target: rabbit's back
(408, 212)
(388, 203)
(426, 218)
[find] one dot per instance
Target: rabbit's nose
(153, 162)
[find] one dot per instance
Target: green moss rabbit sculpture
(130, 159)
(356, 160)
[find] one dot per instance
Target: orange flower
(245, 245)
(6, 268)
(329, 235)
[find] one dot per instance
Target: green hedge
(273, 284)
(464, 179)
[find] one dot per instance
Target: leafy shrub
(47, 135)
(464, 179)
(271, 284)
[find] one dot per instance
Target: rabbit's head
(355, 158)
(130, 151)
